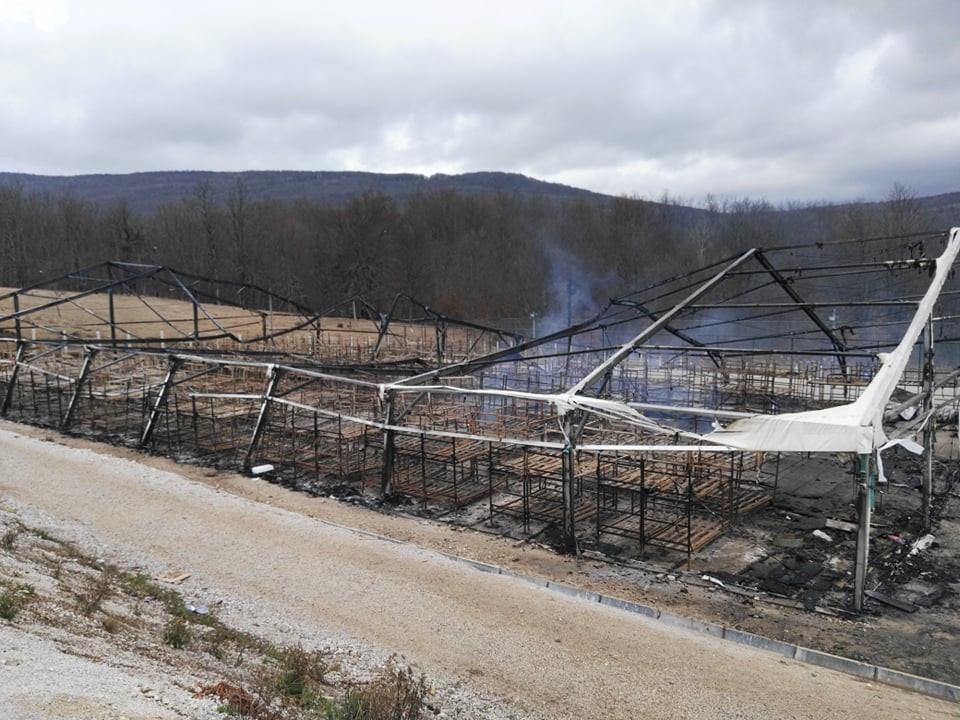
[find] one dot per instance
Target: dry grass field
(172, 320)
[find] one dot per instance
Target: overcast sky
(783, 100)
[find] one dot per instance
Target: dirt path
(544, 653)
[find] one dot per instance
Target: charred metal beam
(75, 296)
(495, 357)
(386, 479)
(837, 343)
(78, 387)
(624, 352)
(715, 357)
(272, 379)
(174, 365)
(8, 395)
(801, 305)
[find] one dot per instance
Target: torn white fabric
(858, 426)
(906, 443)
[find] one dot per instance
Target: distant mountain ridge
(145, 191)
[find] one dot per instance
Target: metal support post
(78, 387)
(386, 480)
(8, 395)
(929, 428)
(865, 490)
(160, 402)
(273, 378)
(113, 317)
(569, 470)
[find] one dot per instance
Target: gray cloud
(784, 100)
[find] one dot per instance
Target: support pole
(569, 471)
(386, 480)
(160, 402)
(113, 317)
(78, 387)
(16, 321)
(865, 490)
(272, 379)
(8, 395)
(929, 428)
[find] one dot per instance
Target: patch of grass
(235, 701)
(9, 605)
(8, 541)
(292, 686)
(300, 671)
(91, 598)
(398, 694)
(177, 634)
(293, 680)
(13, 598)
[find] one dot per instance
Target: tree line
(484, 257)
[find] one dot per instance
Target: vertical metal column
(386, 480)
(569, 470)
(8, 395)
(78, 387)
(113, 317)
(273, 378)
(865, 489)
(160, 402)
(16, 317)
(929, 428)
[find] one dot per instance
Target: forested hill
(486, 246)
(146, 191)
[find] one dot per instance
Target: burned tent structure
(655, 423)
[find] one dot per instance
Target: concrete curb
(848, 666)
(935, 688)
(835, 662)
(686, 623)
(808, 656)
(758, 641)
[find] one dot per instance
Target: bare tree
(238, 212)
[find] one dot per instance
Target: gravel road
(545, 654)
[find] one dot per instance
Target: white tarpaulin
(858, 426)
